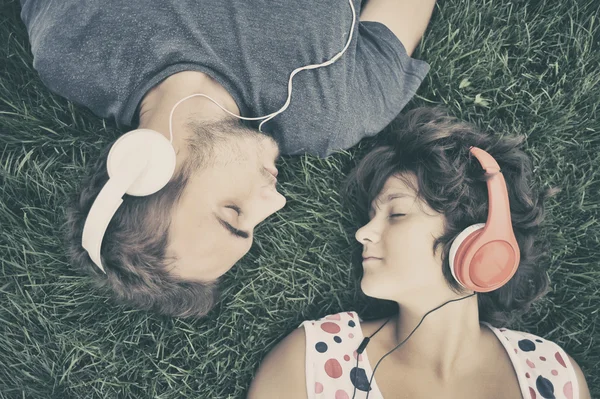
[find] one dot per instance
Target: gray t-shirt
(106, 55)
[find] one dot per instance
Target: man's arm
(282, 373)
(407, 19)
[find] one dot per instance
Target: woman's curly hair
(434, 146)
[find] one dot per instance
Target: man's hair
(434, 146)
(134, 248)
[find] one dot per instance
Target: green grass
(526, 67)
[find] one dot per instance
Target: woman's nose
(367, 234)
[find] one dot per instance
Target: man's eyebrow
(232, 230)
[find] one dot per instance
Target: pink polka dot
(334, 317)
(318, 387)
(350, 335)
(347, 358)
(542, 358)
(331, 328)
(554, 373)
(532, 393)
(350, 314)
(340, 394)
(560, 359)
(527, 375)
(359, 356)
(313, 323)
(333, 368)
(568, 390)
(530, 364)
(516, 350)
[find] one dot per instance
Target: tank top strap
(542, 367)
(331, 344)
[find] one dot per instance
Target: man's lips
(272, 170)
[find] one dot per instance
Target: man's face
(213, 224)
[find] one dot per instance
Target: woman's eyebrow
(394, 196)
(390, 197)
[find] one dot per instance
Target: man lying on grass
(191, 210)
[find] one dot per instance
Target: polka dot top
(542, 367)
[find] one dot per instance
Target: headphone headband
(106, 204)
(139, 163)
(498, 205)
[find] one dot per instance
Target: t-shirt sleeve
(385, 75)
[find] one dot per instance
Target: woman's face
(398, 259)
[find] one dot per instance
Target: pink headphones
(485, 256)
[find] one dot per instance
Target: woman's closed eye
(396, 215)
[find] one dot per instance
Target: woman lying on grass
(420, 191)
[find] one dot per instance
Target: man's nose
(266, 206)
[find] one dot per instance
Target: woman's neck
(446, 338)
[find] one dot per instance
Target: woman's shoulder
(281, 373)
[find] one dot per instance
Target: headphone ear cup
(154, 150)
(453, 257)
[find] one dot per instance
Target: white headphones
(142, 162)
